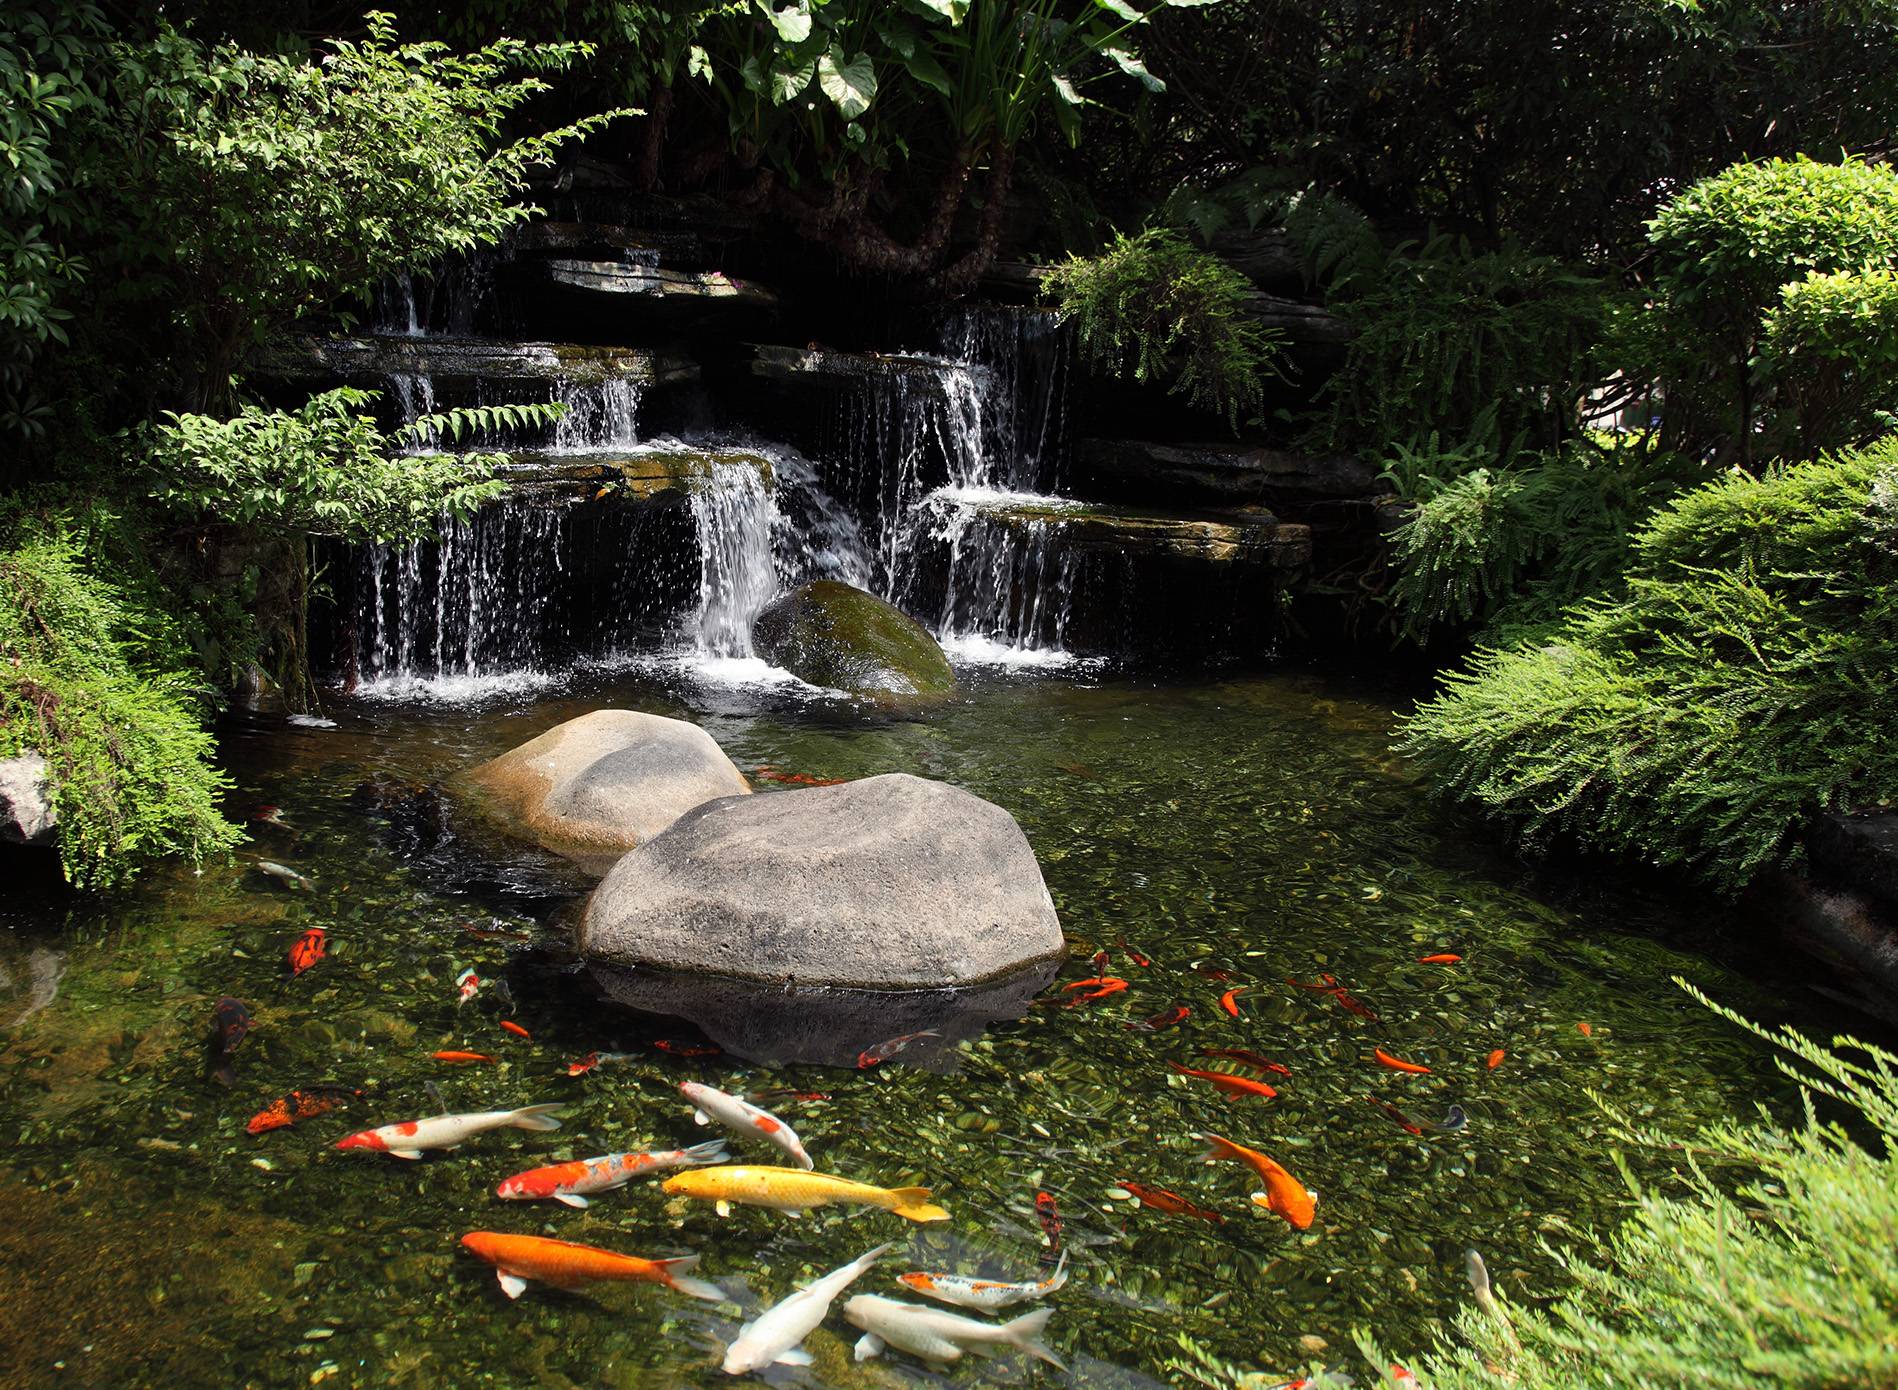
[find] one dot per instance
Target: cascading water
(737, 574)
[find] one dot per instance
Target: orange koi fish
(461, 1056)
(1442, 958)
(1227, 1000)
(1395, 1114)
(572, 1183)
(1098, 989)
(307, 950)
(1284, 1196)
(305, 1103)
(1134, 954)
(597, 1059)
(883, 1051)
(1228, 1083)
(511, 1026)
(1159, 1021)
(1244, 1058)
(1397, 1063)
(1496, 1059)
(1586, 1031)
(567, 1265)
(800, 779)
(1170, 1202)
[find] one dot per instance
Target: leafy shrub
(1832, 344)
(1510, 547)
(1154, 306)
(1725, 253)
(1740, 682)
(128, 760)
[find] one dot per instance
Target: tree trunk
(658, 114)
(960, 277)
(866, 246)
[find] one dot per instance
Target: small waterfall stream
(737, 573)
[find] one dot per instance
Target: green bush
(128, 759)
(1739, 682)
(1154, 307)
(1832, 344)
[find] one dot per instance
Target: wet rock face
(834, 635)
(27, 816)
(594, 787)
(892, 882)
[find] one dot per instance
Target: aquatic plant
(1155, 307)
(128, 761)
(1739, 682)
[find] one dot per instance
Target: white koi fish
(411, 1137)
(938, 1336)
(742, 1117)
(774, 1335)
(574, 1182)
(986, 1294)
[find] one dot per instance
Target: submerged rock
(27, 815)
(834, 635)
(891, 882)
(594, 787)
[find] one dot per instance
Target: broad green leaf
(851, 85)
(793, 25)
(1068, 91)
(1130, 64)
(698, 62)
(1120, 8)
(951, 10)
(788, 83)
(922, 66)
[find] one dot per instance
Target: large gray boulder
(27, 816)
(594, 787)
(891, 882)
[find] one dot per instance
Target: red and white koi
(412, 1138)
(742, 1117)
(466, 983)
(599, 1059)
(574, 1182)
(987, 1294)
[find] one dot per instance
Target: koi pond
(1215, 835)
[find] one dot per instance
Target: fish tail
(711, 1151)
(674, 1274)
(1059, 1279)
(912, 1203)
(537, 1116)
(1025, 1332)
(1218, 1148)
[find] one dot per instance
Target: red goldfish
(1397, 1063)
(1226, 1000)
(1328, 984)
(1284, 1196)
(1162, 1020)
(461, 1056)
(305, 1103)
(511, 1026)
(1228, 1083)
(1098, 989)
(1050, 1217)
(1395, 1114)
(307, 950)
(1496, 1059)
(1162, 1200)
(1134, 954)
(1443, 958)
(596, 1059)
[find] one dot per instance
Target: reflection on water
(1233, 833)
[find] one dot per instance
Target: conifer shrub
(1155, 307)
(1738, 681)
(81, 683)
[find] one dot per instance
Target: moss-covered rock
(834, 635)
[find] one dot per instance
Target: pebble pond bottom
(1233, 834)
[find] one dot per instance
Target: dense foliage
(1739, 681)
(118, 724)
(1154, 307)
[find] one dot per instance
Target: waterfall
(1009, 585)
(737, 575)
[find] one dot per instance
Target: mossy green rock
(834, 635)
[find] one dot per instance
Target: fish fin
(795, 1213)
(511, 1284)
(868, 1345)
(795, 1356)
(675, 1274)
(912, 1204)
(1218, 1148)
(699, 1117)
(1025, 1332)
(711, 1151)
(403, 1153)
(723, 1207)
(537, 1116)
(1058, 1280)
(572, 1199)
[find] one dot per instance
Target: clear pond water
(1251, 825)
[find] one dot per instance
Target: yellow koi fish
(794, 1191)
